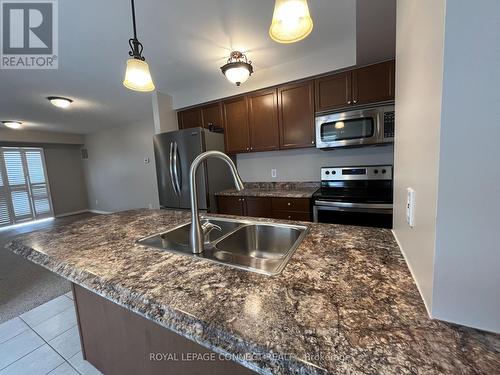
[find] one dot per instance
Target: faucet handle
(208, 227)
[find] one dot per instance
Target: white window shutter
(24, 189)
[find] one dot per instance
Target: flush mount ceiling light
(59, 101)
(12, 124)
(238, 68)
(137, 75)
(291, 21)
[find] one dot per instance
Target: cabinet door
(258, 207)
(374, 83)
(231, 205)
(263, 121)
(296, 115)
(333, 91)
(236, 125)
(189, 118)
(212, 115)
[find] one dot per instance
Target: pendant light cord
(133, 19)
(135, 46)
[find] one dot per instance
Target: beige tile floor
(42, 341)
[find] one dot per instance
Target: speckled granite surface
(345, 303)
(274, 189)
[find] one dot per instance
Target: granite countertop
(274, 189)
(345, 303)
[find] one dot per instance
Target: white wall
(341, 55)
(66, 178)
(117, 177)
(165, 118)
(467, 260)
(305, 164)
(419, 69)
(36, 136)
(447, 106)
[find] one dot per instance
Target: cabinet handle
(289, 217)
(348, 102)
(248, 148)
(289, 203)
(355, 101)
(251, 148)
(313, 142)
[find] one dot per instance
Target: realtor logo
(28, 34)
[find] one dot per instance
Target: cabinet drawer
(291, 204)
(286, 215)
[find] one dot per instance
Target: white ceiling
(185, 43)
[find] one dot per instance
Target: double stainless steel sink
(250, 245)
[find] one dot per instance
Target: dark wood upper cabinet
(263, 120)
(373, 83)
(296, 115)
(334, 91)
(190, 118)
(236, 125)
(212, 115)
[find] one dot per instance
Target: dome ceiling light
(59, 101)
(291, 21)
(238, 68)
(12, 124)
(137, 75)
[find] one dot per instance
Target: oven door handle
(380, 206)
(372, 208)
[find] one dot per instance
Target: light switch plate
(410, 207)
(273, 173)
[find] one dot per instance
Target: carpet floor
(23, 284)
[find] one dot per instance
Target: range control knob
(333, 172)
(327, 172)
(383, 171)
(375, 171)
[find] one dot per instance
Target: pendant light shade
(237, 69)
(291, 21)
(137, 75)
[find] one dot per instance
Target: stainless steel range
(355, 196)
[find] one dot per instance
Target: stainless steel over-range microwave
(359, 127)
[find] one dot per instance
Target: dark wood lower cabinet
(119, 342)
(257, 207)
(273, 208)
(231, 205)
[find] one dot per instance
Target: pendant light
(238, 68)
(137, 75)
(291, 21)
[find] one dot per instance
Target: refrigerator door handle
(172, 168)
(176, 171)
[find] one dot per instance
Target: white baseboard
(72, 213)
(412, 273)
(100, 212)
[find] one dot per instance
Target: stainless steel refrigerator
(174, 153)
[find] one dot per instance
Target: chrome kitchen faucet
(198, 231)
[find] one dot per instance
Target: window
(24, 190)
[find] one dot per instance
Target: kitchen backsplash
(305, 164)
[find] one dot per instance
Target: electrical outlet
(146, 160)
(410, 207)
(150, 206)
(273, 173)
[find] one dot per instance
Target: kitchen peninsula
(345, 303)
